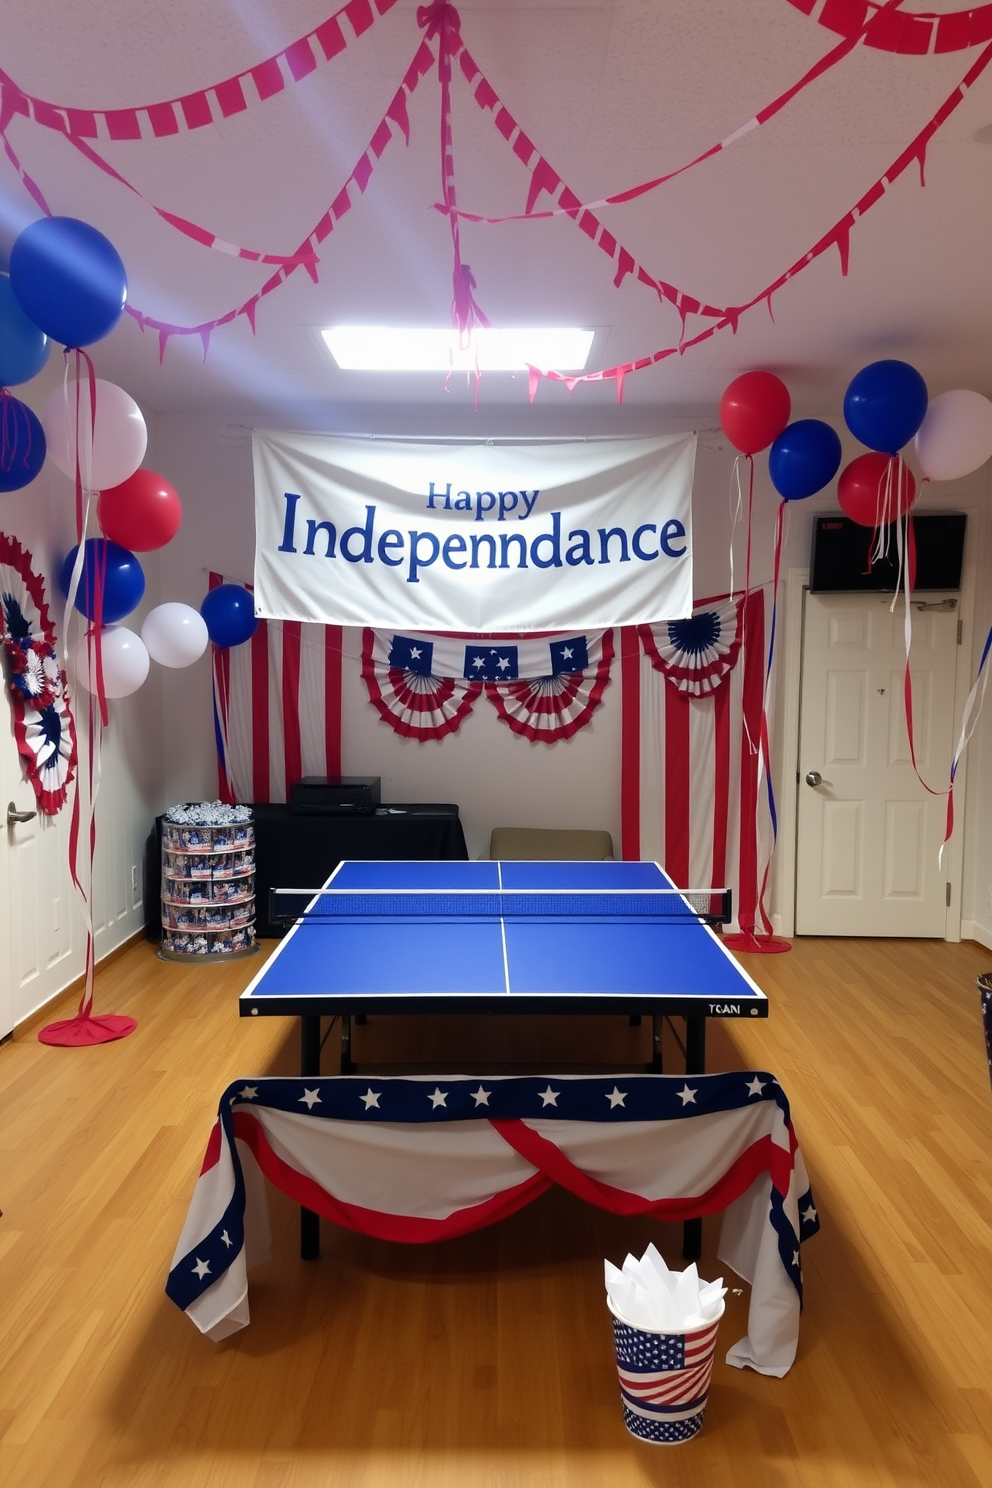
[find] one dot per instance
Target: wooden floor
(487, 1362)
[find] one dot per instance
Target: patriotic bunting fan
(695, 655)
(43, 724)
(543, 688)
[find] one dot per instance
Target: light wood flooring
(487, 1362)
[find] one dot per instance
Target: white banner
(475, 537)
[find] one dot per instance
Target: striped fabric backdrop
(277, 708)
(690, 784)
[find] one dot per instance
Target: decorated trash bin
(664, 1370)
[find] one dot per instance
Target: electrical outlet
(56, 914)
(135, 886)
(989, 895)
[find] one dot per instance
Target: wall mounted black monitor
(842, 548)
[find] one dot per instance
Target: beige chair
(549, 844)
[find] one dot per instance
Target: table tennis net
(318, 906)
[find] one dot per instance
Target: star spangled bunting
(491, 663)
(412, 654)
(544, 688)
(554, 1132)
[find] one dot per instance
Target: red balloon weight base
(77, 1033)
(764, 945)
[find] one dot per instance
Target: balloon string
(736, 512)
(765, 755)
(753, 747)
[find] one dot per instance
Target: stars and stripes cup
(664, 1378)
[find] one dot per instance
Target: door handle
(14, 816)
(814, 778)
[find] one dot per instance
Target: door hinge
(947, 895)
(960, 630)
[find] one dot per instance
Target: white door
(868, 831)
(35, 911)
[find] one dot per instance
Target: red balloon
(868, 496)
(754, 410)
(141, 513)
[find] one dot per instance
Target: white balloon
(125, 662)
(107, 456)
(955, 437)
(175, 634)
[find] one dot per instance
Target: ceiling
(612, 93)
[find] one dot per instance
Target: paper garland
(906, 33)
(206, 105)
(883, 27)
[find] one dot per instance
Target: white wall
(160, 747)
(495, 777)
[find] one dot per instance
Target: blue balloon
(23, 348)
(123, 580)
(885, 404)
(229, 612)
(22, 444)
(69, 280)
(804, 458)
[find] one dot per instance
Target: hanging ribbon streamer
(441, 20)
(837, 237)
(749, 939)
(908, 34)
(396, 118)
(544, 179)
(208, 105)
(969, 721)
(86, 1028)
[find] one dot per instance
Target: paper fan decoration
(43, 725)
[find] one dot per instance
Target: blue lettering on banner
(418, 550)
(636, 541)
(287, 545)
(312, 529)
(491, 663)
(672, 529)
(365, 555)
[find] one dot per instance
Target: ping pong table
(523, 937)
(489, 937)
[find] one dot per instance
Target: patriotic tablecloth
(429, 1157)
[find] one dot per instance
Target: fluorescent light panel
(490, 348)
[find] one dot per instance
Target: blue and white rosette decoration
(698, 654)
(43, 724)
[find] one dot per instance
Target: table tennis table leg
(347, 1063)
(309, 1065)
(695, 1064)
(656, 1066)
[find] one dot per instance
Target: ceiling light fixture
(486, 348)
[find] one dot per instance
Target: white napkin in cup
(646, 1294)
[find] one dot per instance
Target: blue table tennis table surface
(466, 964)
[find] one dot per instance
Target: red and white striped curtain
(277, 708)
(692, 702)
(691, 787)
